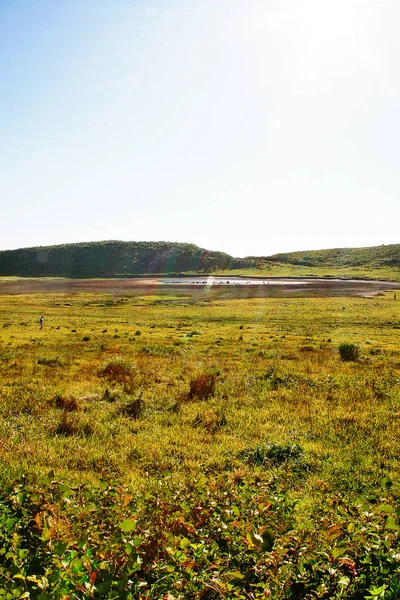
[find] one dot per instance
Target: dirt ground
(138, 286)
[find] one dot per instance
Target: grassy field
(384, 272)
(187, 444)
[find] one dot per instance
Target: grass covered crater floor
(190, 444)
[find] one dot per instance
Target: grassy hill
(376, 262)
(127, 259)
(111, 259)
(376, 256)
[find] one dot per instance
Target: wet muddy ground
(213, 286)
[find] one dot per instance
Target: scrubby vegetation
(245, 460)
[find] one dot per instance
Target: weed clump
(71, 425)
(212, 420)
(349, 352)
(67, 403)
(202, 386)
(132, 408)
(274, 380)
(276, 454)
(50, 361)
(110, 395)
(117, 370)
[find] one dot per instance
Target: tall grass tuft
(117, 369)
(67, 403)
(71, 425)
(202, 386)
(132, 408)
(349, 352)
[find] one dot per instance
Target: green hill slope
(111, 259)
(376, 256)
(127, 259)
(376, 262)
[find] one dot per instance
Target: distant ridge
(373, 256)
(111, 259)
(130, 259)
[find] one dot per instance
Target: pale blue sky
(246, 126)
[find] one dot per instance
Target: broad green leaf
(385, 508)
(391, 524)
(386, 482)
(235, 575)
(128, 525)
(59, 548)
(236, 511)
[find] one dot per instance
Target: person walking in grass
(41, 321)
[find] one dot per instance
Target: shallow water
(260, 281)
(232, 281)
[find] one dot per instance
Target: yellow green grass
(280, 269)
(287, 422)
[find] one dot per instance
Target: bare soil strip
(221, 287)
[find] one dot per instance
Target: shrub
(202, 386)
(349, 352)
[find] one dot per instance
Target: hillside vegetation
(376, 262)
(376, 256)
(128, 259)
(111, 259)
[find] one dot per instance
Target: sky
(246, 126)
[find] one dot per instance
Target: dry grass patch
(202, 386)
